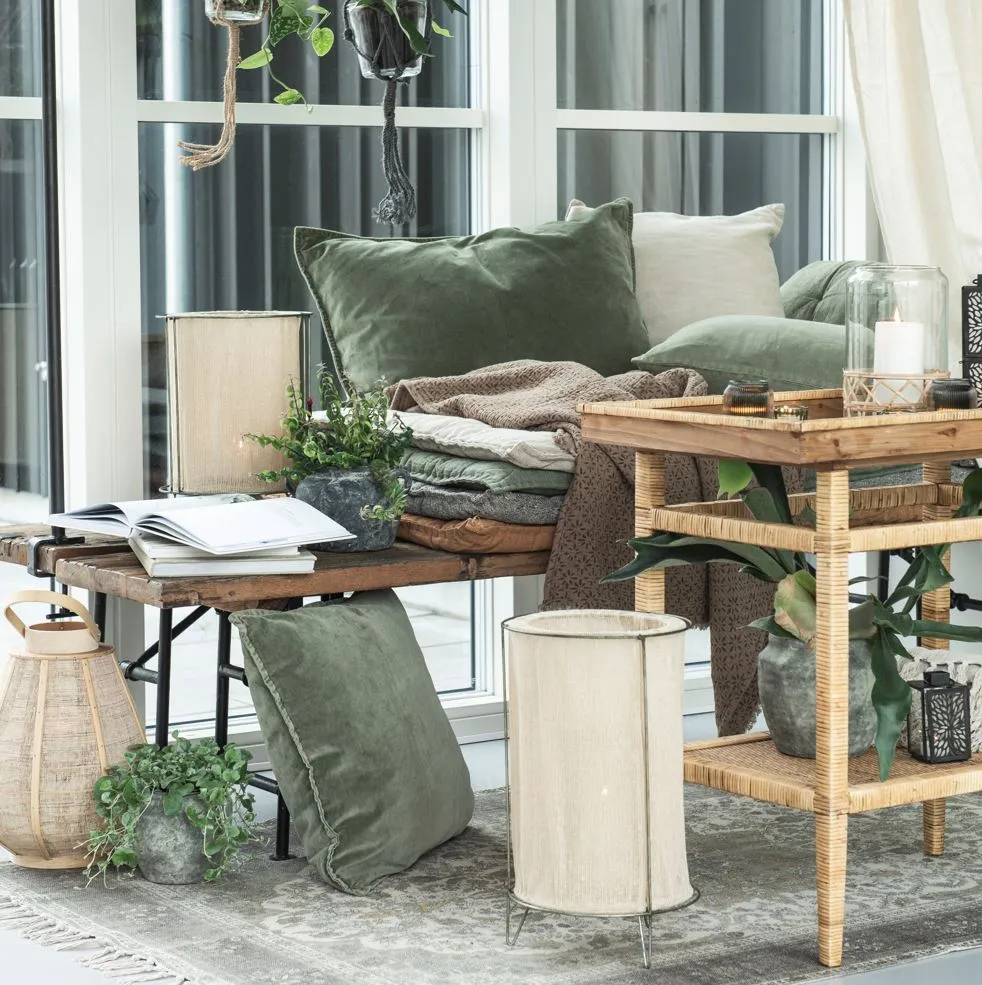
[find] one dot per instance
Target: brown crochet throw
(598, 514)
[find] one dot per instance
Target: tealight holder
(748, 398)
(896, 338)
(953, 395)
(791, 412)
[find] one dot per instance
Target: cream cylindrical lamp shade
(596, 819)
(227, 376)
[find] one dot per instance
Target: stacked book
(200, 536)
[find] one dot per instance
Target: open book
(219, 525)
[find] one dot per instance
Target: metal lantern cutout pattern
(939, 724)
(896, 338)
(972, 332)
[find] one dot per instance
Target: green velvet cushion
(366, 759)
(790, 354)
(439, 469)
(401, 308)
(817, 292)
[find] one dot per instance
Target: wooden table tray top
(825, 440)
(832, 786)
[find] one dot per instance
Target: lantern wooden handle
(50, 598)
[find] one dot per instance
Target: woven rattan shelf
(756, 769)
(831, 786)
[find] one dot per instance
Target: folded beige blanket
(597, 517)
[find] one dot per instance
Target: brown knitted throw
(598, 514)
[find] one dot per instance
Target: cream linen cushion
(695, 267)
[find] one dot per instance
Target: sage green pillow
(401, 308)
(366, 759)
(440, 469)
(791, 354)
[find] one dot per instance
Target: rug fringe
(124, 968)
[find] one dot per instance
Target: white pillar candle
(898, 347)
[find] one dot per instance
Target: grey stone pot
(169, 850)
(786, 676)
(342, 494)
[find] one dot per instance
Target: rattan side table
(832, 786)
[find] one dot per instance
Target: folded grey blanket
(451, 503)
(440, 469)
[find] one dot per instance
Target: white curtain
(917, 68)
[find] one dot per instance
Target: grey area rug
(274, 923)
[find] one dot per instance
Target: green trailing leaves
(262, 57)
(734, 477)
(891, 699)
(207, 784)
(442, 31)
(322, 40)
(288, 97)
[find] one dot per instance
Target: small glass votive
(791, 412)
(953, 395)
(749, 398)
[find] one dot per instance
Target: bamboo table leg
(649, 490)
(936, 605)
(832, 710)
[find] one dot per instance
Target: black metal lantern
(939, 724)
(972, 332)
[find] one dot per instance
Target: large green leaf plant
(883, 623)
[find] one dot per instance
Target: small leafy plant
(222, 812)
(355, 432)
(883, 624)
(308, 22)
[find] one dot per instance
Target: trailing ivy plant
(308, 22)
(883, 624)
(355, 432)
(222, 809)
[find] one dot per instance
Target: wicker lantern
(65, 716)
(596, 823)
(896, 338)
(939, 724)
(227, 376)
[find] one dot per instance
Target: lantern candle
(898, 347)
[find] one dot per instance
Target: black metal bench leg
(222, 690)
(162, 726)
(282, 852)
(99, 613)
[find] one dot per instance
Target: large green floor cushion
(817, 292)
(400, 308)
(790, 354)
(366, 759)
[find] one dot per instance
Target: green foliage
(217, 777)
(883, 624)
(308, 22)
(356, 432)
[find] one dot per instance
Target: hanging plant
(391, 39)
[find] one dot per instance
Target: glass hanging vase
(384, 51)
(241, 12)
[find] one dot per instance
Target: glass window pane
(23, 393)
(181, 56)
(721, 56)
(20, 48)
(703, 174)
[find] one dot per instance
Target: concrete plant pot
(170, 850)
(786, 677)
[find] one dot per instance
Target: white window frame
(515, 121)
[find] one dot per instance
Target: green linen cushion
(817, 292)
(789, 353)
(401, 308)
(440, 469)
(366, 759)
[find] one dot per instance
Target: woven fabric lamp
(596, 820)
(65, 716)
(227, 376)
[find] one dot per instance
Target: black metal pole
(164, 637)
(222, 691)
(52, 262)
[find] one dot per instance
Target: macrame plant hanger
(205, 155)
(399, 205)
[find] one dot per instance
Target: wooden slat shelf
(752, 767)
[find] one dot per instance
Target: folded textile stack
(482, 478)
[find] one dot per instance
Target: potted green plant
(879, 696)
(345, 464)
(391, 37)
(179, 814)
